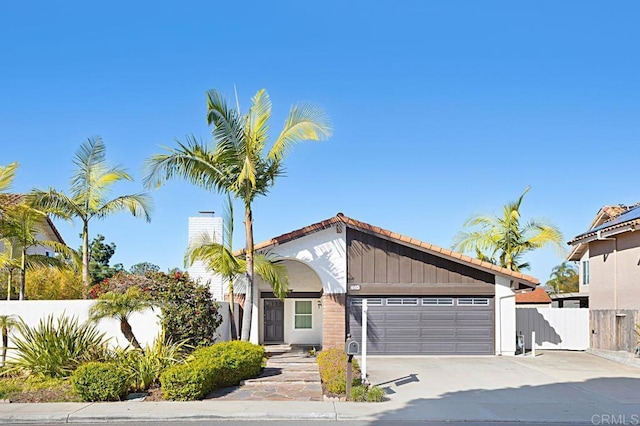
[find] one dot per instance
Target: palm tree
(219, 258)
(20, 231)
(120, 306)
(7, 322)
(503, 240)
(88, 192)
(564, 278)
(240, 163)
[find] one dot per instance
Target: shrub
(375, 394)
(369, 394)
(100, 381)
(144, 367)
(217, 366)
(55, 348)
(332, 364)
(189, 313)
(47, 283)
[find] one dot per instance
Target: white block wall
(213, 227)
(505, 317)
(145, 325)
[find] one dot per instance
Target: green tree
(7, 322)
(7, 174)
(100, 254)
(46, 283)
(143, 267)
(87, 198)
(219, 258)
(240, 163)
(120, 306)
(564, 278)
(503, 240)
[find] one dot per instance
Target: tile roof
(7, 200)
(365, 227)
(539, 295)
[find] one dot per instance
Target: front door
(273, 321)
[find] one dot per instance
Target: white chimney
(212, 227)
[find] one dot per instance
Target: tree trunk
(5, 344)
(125, 327)
(232, 302)
(23, 274)
(248, 300)
(85, 258)
(9, 282)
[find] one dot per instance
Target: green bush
(369, 394)
(189, 313)
(359, 393)
(55, 348)
(332, 364)
(100, 381)
(217, 366)
(375, 394)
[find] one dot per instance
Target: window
(401, 301)
(468, 301)
(370, 302)
(303, 314)
(437, 301)
(585, 272)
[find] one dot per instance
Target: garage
(438, 325)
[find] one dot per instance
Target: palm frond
(7, 174)
(139, 205)
(304, 122)
(55, 203)
(273, 273)
(259, 115)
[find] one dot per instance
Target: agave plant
(56, 347)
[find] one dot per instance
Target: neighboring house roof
(539, 295)
(623, 222)
(7, 200)
(365, 227)
(608, 218)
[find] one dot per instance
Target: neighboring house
(48, 231)
(422, 299)
(537, 298)
(609, 256)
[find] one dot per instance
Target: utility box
(352, 347)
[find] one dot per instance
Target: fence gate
(555, 328)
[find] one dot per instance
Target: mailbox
(352, 347)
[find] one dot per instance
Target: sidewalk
(376, 413)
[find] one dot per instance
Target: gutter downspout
(599, 237)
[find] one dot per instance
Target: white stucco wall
(325, 252)
(505, 317)
(213, 228)
(145, 325)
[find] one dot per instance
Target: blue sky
(441, 110)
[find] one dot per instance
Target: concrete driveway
(554, 386)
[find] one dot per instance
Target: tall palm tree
(220, 258)
(120, 306)
(87, 198)
(7, 322)
(503, 240)
(240, 163)
(20, 231)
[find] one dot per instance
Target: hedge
(210, 368)
(100, 381)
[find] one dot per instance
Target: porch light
(319, 303)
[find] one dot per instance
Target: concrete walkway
(290, 375)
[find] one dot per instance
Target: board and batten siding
(382, 266)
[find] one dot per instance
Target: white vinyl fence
(555, 328)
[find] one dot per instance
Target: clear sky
(440, 109)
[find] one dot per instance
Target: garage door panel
(463, 329)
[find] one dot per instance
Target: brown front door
(273, 321)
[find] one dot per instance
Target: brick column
(333, 320)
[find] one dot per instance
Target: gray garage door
(425, 325)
